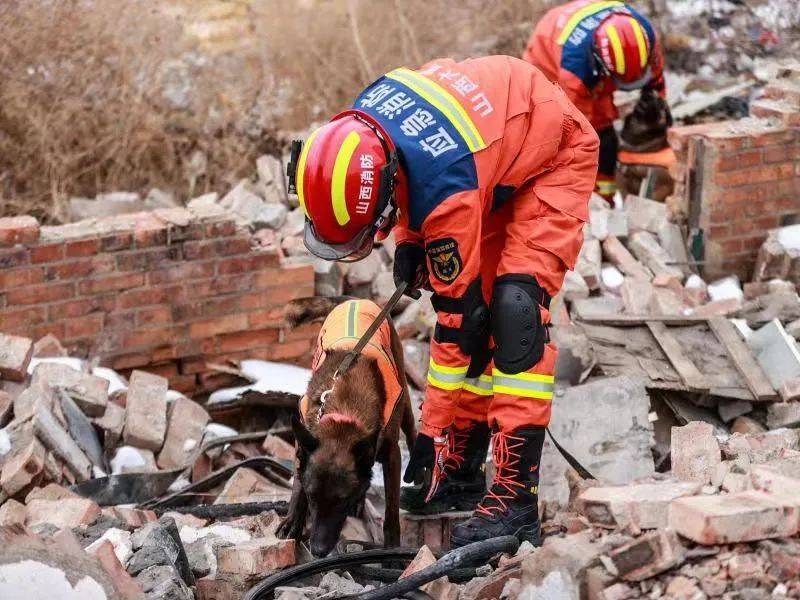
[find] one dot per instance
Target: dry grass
(100, 95)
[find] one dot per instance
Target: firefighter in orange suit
(483, 169)
(591, 48)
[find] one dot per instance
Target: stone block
(695, 452)
(15, 355)
(13, 513)
(187, 421)
(777, 353)
(732, 518)
(258, 556)
(146, 411)
(648, 555)
(783, 414)
(642, 505)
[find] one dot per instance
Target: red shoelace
(506, 461)
(457, 442)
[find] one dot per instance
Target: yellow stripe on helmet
(301, 169)
(641, 42)
(580, 15)
(445, 102)
(339, 180)
(616, 44)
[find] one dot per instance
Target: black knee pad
(519, 336)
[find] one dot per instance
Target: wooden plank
(633, 320)
(691, 376)
(742, 358)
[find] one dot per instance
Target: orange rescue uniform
(499, 169)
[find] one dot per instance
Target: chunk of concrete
(66, 512)
(646, 248)
(643, 505)
(89, 392)
(615, 450)
(187, 421)
(644, 214)
(695, 452)
(777, 353)
(731, 518)
(637, 296)
(783, 414)
(146, 411)
(163, 582)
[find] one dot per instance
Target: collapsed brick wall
(168, 291)
(736, 180)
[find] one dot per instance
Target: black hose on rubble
(470, 554)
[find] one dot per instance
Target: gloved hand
(427, 462)
(410, 267)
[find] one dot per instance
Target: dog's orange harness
(341, 331)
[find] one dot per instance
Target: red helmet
(623, 49)
(344, 178)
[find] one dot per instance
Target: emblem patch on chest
(445, 259)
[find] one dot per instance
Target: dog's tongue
(337, 418)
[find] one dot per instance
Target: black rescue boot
(511, 506)
(463, 481)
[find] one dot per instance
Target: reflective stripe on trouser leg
(446, 378)
(442, 396)
(524, 399)
(473, 404)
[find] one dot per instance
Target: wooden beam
(742, 358)
(691, 376)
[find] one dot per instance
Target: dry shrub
(101, 95)
(104, 95)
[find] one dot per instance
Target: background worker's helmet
(344, 178)
(623, 50)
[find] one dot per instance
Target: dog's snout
(321, 548)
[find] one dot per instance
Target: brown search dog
(347, 424)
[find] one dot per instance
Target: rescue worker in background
(591, 48)
(483, 170)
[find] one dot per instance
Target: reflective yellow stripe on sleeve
(638, 32)
(580, 15)
(445, 102)
(446, 378)
(528, 385)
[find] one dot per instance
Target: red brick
(47, 253)
(290, 350)
(777, 153)
(20, 277)
(15, 355)
(186, 384)
(13, 257)
(127, 361)
(163, 369)
(65, 512)
(187, 421)
(81, 248)
(739, 160)
(80, 307)
(18, 230)
(213, 248)
(246, 340)
(41, 293)
(284, 276)
(97, 265)
(182, 272)
(256, 557)
(22, 467)
(759, 174)
(146, 411)
(220, 229)
(123, 583)
(263, 319)
(159, 315)
(84, 327)
(308, 331)
(148, 296)
(149, 231)
(116, 282)
(148, 258)
(223, 285)
(211, 327)
(148, 338)
(192, 365)
(243, 264)
(22, 317)
(768, 138)
(117, 241)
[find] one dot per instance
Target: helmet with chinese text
(345, 184)
(623, 50)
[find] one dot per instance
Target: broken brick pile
(736, 180)
(168, 291)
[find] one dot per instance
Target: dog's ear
(305, 439)
(364, 452)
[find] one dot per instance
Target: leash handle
(573, 462)
(367, 336)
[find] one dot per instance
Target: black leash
(364, 340)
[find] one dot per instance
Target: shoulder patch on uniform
(445, 259)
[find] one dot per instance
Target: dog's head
(335, 470)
